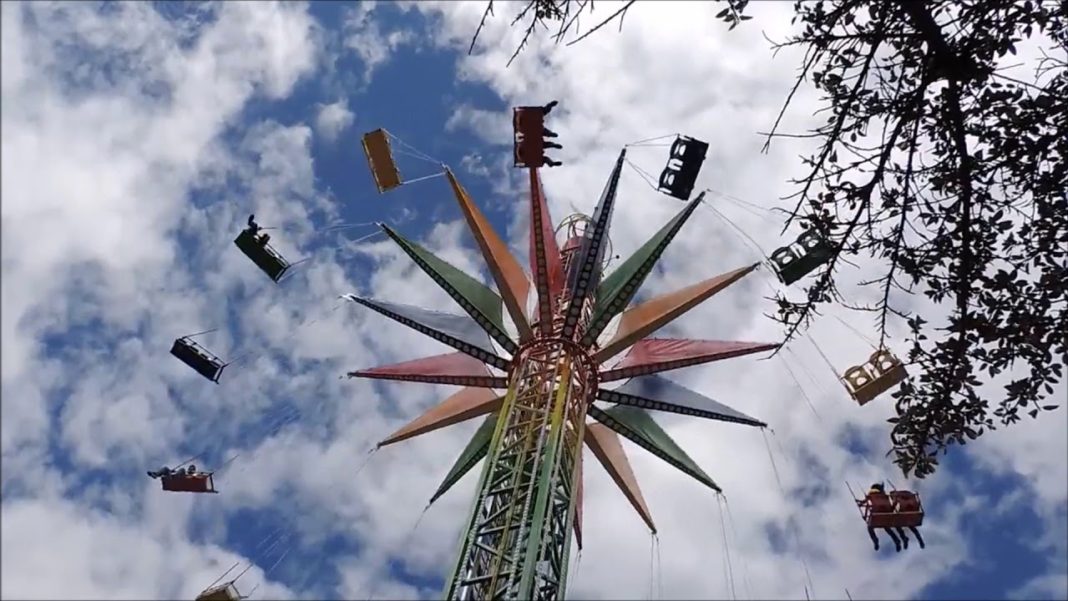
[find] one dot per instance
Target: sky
(138, 137)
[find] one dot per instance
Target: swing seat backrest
(857, 379)
(883, 371)
(197, 483)
(197, 357)
(897, 519)
(222, 592)
(528, 123)
(265, 257)
(795, 261)
(380, 159)
(907, 508)
(684, 164)
(905, 500)
(879, 511)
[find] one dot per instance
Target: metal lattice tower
(517, 539)
(518, 536)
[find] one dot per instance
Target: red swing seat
(199, 483)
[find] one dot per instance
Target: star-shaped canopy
(644, 357)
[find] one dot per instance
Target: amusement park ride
(536, 392)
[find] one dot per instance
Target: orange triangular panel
(451, 368)
(468, 403)
(604, 443)
(654, 355)
(578, 499)
(644, 319)
(511, 281)
(545, 264)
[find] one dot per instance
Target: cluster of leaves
(954, 175)
(564, 17)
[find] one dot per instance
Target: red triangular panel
(654, 355)
(452, 368)
(545, 263)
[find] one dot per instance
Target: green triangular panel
(479, 301)
(620, 286)
(638, 426)
(473, 453)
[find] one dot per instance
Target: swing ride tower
(517, 538)
(537, 388)
(549, 386)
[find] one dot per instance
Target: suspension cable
(790, 519)
(573, 573)
(401, 547)
(857, 332)
(737, 544)
(745, 237)
(824, 355)
(641, 142)
(726, 546)
(659, 569)
(652, 569)
(642, 174)
(797, 382)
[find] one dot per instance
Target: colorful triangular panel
(546, 266)
(587, 273)
(481, 303)
(473, 453)
(654, 355)
(638, 427)
(462, 406)
(648, 317)
(453, 368)
(609, 451)
(620, 286)
(661, 394)
(511, 281)
(458, 331)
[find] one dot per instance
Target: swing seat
(684, 164)
(265, 257)
(197, 357)
(380, 158)
(907, 507)
(895, 519)
(197, 483)
(882, 372)
(898, 509)
(222, 592)
(528, 124)
(795, 261)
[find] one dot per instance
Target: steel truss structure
(517, 538)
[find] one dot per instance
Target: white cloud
(675, 68)
(122, 195)
(364, 35)
(332, 119)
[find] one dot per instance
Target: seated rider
(877, 501)
(162, 472)
(253, 227)
(166, 472)
(907, 502)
